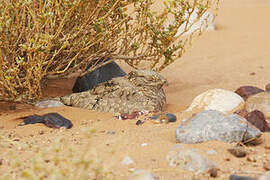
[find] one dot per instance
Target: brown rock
(246, 91)
(251, 159)
(238, 151)
(267, 87)
(257, 119)
(213, 172)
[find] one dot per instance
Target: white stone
(212, 152)
(216, 99)
(144, 144)
(127, 161)
(141, 174)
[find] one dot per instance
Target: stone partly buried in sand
(261, 102)
(189, 159)
(139, 90)
(246, 91)
(52, 120)
(214, 99)
(214, 125)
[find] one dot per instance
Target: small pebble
(267, 146)
(131, 169)
(141, 174)
(139, 122)
(238, 151)
(127, 161)
(110, 132)
(213, 172)
(144, 144)
(267, 87)
(211, 152)
(168, 118)
(251, 159)
(266, 166)
(235, 177)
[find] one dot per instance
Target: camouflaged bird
(139, 90)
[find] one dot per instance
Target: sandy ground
(236, 54)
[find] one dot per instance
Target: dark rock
(139, 122)
(52, 120)
(214, 125)
(257, 119)
(246, 91)
(235, 177)
(100, 75)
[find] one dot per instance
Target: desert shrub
(51, 39)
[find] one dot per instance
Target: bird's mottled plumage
(138, 90)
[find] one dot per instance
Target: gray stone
(100, 75)
(235, 177)
(188, 159)
(214, 125)
(261, 102)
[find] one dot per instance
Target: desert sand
(235, 54)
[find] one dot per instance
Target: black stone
(100, 75)
(52, 120)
